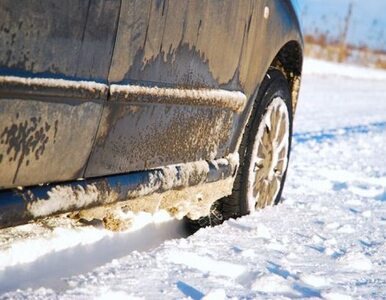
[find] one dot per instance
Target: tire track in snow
(331, 134)
(51, 269)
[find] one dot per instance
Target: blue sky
(367, 26)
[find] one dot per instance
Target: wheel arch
(289, 60)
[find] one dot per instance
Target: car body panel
(207, 44)
(139, 136)
(45, 137)
(48, 127)
(58, 39)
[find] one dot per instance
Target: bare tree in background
(343, 40)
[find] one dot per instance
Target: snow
(327, 240)
(234, 100)
(205, 264)
(63, 198)
(62, 236)
(328, 69)
(149, 195)
(36, 83)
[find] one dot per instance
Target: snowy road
(327, 240)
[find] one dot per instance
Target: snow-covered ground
(327, 240)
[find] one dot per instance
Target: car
(180, 105)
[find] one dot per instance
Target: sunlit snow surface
(327, 240)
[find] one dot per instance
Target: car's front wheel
(264, 154)
(265, 149)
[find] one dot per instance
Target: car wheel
(264, 155)
(265, 150)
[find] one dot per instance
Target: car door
(182, 73)
(54, 63)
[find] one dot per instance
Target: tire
(274, 95)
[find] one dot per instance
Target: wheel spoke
(262, 151)
(273, 120)
(262, 195)
(282, 130)
(273, 189)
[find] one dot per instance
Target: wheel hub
(269, 156)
